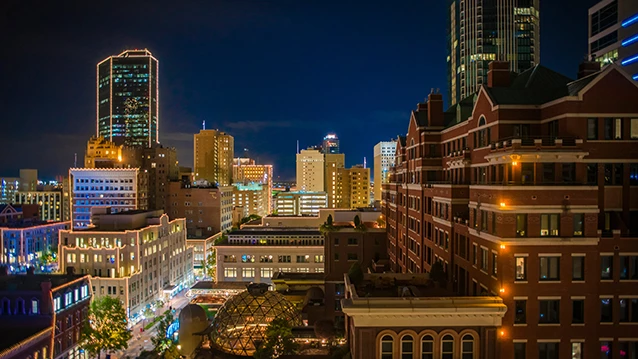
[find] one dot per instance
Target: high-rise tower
(330, 144)
(481, 31)
(213, 154)
(127, 98)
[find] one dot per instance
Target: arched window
(467, 347)
(407, 347)
(447, 347)
(482, 136)
(387, 347)
(481, 121)
(20, 306)
(6, 306)
(35, 306)
(427, 347)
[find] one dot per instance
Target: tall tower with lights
(128, 98)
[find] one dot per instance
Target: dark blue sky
(267, 72)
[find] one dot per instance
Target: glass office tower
(481, 31)
(127, 98)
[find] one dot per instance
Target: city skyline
(281, 91)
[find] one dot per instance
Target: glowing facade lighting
(502, 204)
(635, 77)
(629, 21)
(629, 60)
(502, 290)
(502, 246)
(630, 40)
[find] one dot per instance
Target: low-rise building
(202, 248)
(207, 208)
(42, 316)
(255, 254)
(300, 203)
(24, 243)
(131, 255)
(253, 196)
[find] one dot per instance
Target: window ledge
(520, 282)
(520, 324)
(629, 280)
(578, 324)
(549, 324)
(607, 323)
(628, 323)
(549, 281)
(578, 281)
(606, 280)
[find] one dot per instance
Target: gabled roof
(421, 117)
(401, 140)
(534, 86)
(459, 112)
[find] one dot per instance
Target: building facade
(255, 254)
(92, 188)
(613, 34)
(334, 162)
(24, 244)
(128, 98)
(207, 208)
(383, 160)
(247, 171)
(310, 171)
(330, 144)
(354, 186)
(51, 203)
(132, 256)
(254, 197)
(300, 203)
(213, 155)
(202, 248)
(483, 31)
(46, 314)
(526, 191)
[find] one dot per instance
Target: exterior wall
(456, 195)
(92, 188)
(250, 172)
(133, 265)
(213, 154)
(333, 163)
(36, 346)
(50, 202)
(202, 248)
(161, 165)
(24, 246)
(8, 188)
(347, 246)
(300, 203)
(208, 210)
(383, 159)
(310, 171)
(101, 153)
(255, 198)
(354, 185)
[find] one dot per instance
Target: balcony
(536, 142)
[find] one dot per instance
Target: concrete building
(613, 34)
(354, 186)
(207, 208)
(131, 255)
(102, 153)
(43, 315)
(383, 161)
(527, 191)
(213, 155)
(246, 171)
(116, 188)
(24, 243)
(128, 98)
(51, 203)
(483, 31)
(333, 162)
(202, 248)
(8, 188)
(254, 197)
(310, 171)
(255, 254)
(300, 203)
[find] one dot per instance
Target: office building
(255, 198)
(333, 163)
(102, 153)
(128, 98)
(330, 144)
(300, 203)
(92, 188)
(207, 208)
(246, 171)
(43, 315)
(613, 34)
(8, 188)
(51, 203)
(131, 255)
(483, 31)
(213, 154)
(23, 243)
(353, 184)
(537, 209)
(202, 249)
(310, 171)
(383, 161)
(255, 254)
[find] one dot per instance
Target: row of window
(427, 347)
(269, 258)
(608, 350)
(265, 272)
(549, 267)
(612, 129)
(549, 311)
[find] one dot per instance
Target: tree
(210, 265)
(279, 340)
(172, 352)
(329, 220)
(357, 221)
(437, 274)
(355, 273)
(161, 343)
(106, 328)
(49, 256)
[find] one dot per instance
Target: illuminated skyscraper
(127, 98)
(383, 160)
(330, 144)
(481, 31)
(213, 153)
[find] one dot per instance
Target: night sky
(267, 72)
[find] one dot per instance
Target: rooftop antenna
(204, 125)
(75, 160)
(364, 162)
(297, 146)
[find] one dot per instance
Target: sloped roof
(534, 86)
(421, 117)
(402, 140)
(459, 112)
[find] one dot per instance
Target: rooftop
(269, 231)
(395, 285)
(299, 276)
(29, 224)
(220, 285)
(33, 282)
(14, 336)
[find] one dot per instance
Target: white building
(101, 187)
(383, 160)
(255, 254)
(134, 256)
(300, 203)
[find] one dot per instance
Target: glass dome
(241, 322)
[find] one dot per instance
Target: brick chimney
(498, 74)
(435, 109)
(46, 306)
(587, 68)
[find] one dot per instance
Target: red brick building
(529, 191)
